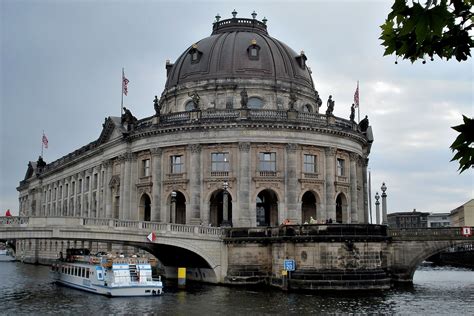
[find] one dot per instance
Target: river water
(28, 289)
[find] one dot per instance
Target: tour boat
(107, 275)
(5, 255)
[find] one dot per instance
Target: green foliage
(464, 144)
(440, 28)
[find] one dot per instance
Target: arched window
(255, 103)
(307, 108)
(195, 54)
(189, 106)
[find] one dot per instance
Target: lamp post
(377, 208)
(384, 204)
(173, 206)
(225, 205)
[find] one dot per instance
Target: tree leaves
(438, 28)
(463, 145)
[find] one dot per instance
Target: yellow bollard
(181, 277)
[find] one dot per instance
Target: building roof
(225, 54)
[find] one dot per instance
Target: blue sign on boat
(289, 265)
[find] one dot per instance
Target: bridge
(254, 255)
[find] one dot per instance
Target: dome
(239, 48)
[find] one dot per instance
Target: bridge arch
(414, 254)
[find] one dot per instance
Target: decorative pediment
(110, 130)
(30, 172)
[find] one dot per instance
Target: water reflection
(28, 289)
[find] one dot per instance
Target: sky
(61, 64)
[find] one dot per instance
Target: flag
(8, 213)
(45, 141)
(356, 96)
(125, 82)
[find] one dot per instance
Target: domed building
(237, 139)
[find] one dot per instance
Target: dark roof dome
(239, 48)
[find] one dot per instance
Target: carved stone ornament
(330, 151)
(244, 147)
(290, 147)
(354, 156)
(195, 148)
(114, 181)
(156, 151)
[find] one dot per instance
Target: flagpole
(358, 105)
(42, 144)
(121, 104)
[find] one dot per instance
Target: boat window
(87, 273)
(83, 272)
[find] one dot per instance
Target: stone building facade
(237, 137)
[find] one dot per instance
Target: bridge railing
(426, 233)
(312, 230)
(14, 221)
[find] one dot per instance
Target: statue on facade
(157, 106)
(128, 118)
(291, 103)
(352, 113)
(319, 102)
(364, 124)
(244, 98)
(330, 106)
(195, 98)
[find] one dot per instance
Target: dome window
(189, 106)
(301, 59)
(253, 50)
(255, 103)
(307, 108)
(195, 54)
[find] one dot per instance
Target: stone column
(193, 212)
(108, 189)
(247, 217)
(156, 215)
(133, 214)
(353, 182)
(384, 205)
(292, 188)
(377, 208)
(365, 216)
(330, 178)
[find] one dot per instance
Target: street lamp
(377, 208)
(173, 206)
(384, 204)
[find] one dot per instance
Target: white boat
(5, 255)
(107, 275)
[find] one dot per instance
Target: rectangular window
(253, 52)
(79, 188)
(96, 181)
(145, 167)
(177, 164)
(88, 180)
(340, 167)
(73, 187)
(220, 162)
(309, 164)
(267, 161)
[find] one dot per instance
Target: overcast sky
(61, 65)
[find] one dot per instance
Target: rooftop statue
(196, 99)
(244, 98)
(157, 106)
(364, 124)
(319, 102)
(291, 103)
(330, 106)
(127, 117)
(352, 113)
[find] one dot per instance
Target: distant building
(463, 215)
(408, 219)
(438, 220)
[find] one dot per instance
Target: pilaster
(292, 188)
(353, 183)
(156, 155)
(330, 178)
(247, 213)
(193, 212)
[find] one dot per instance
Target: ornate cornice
(354, 156)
